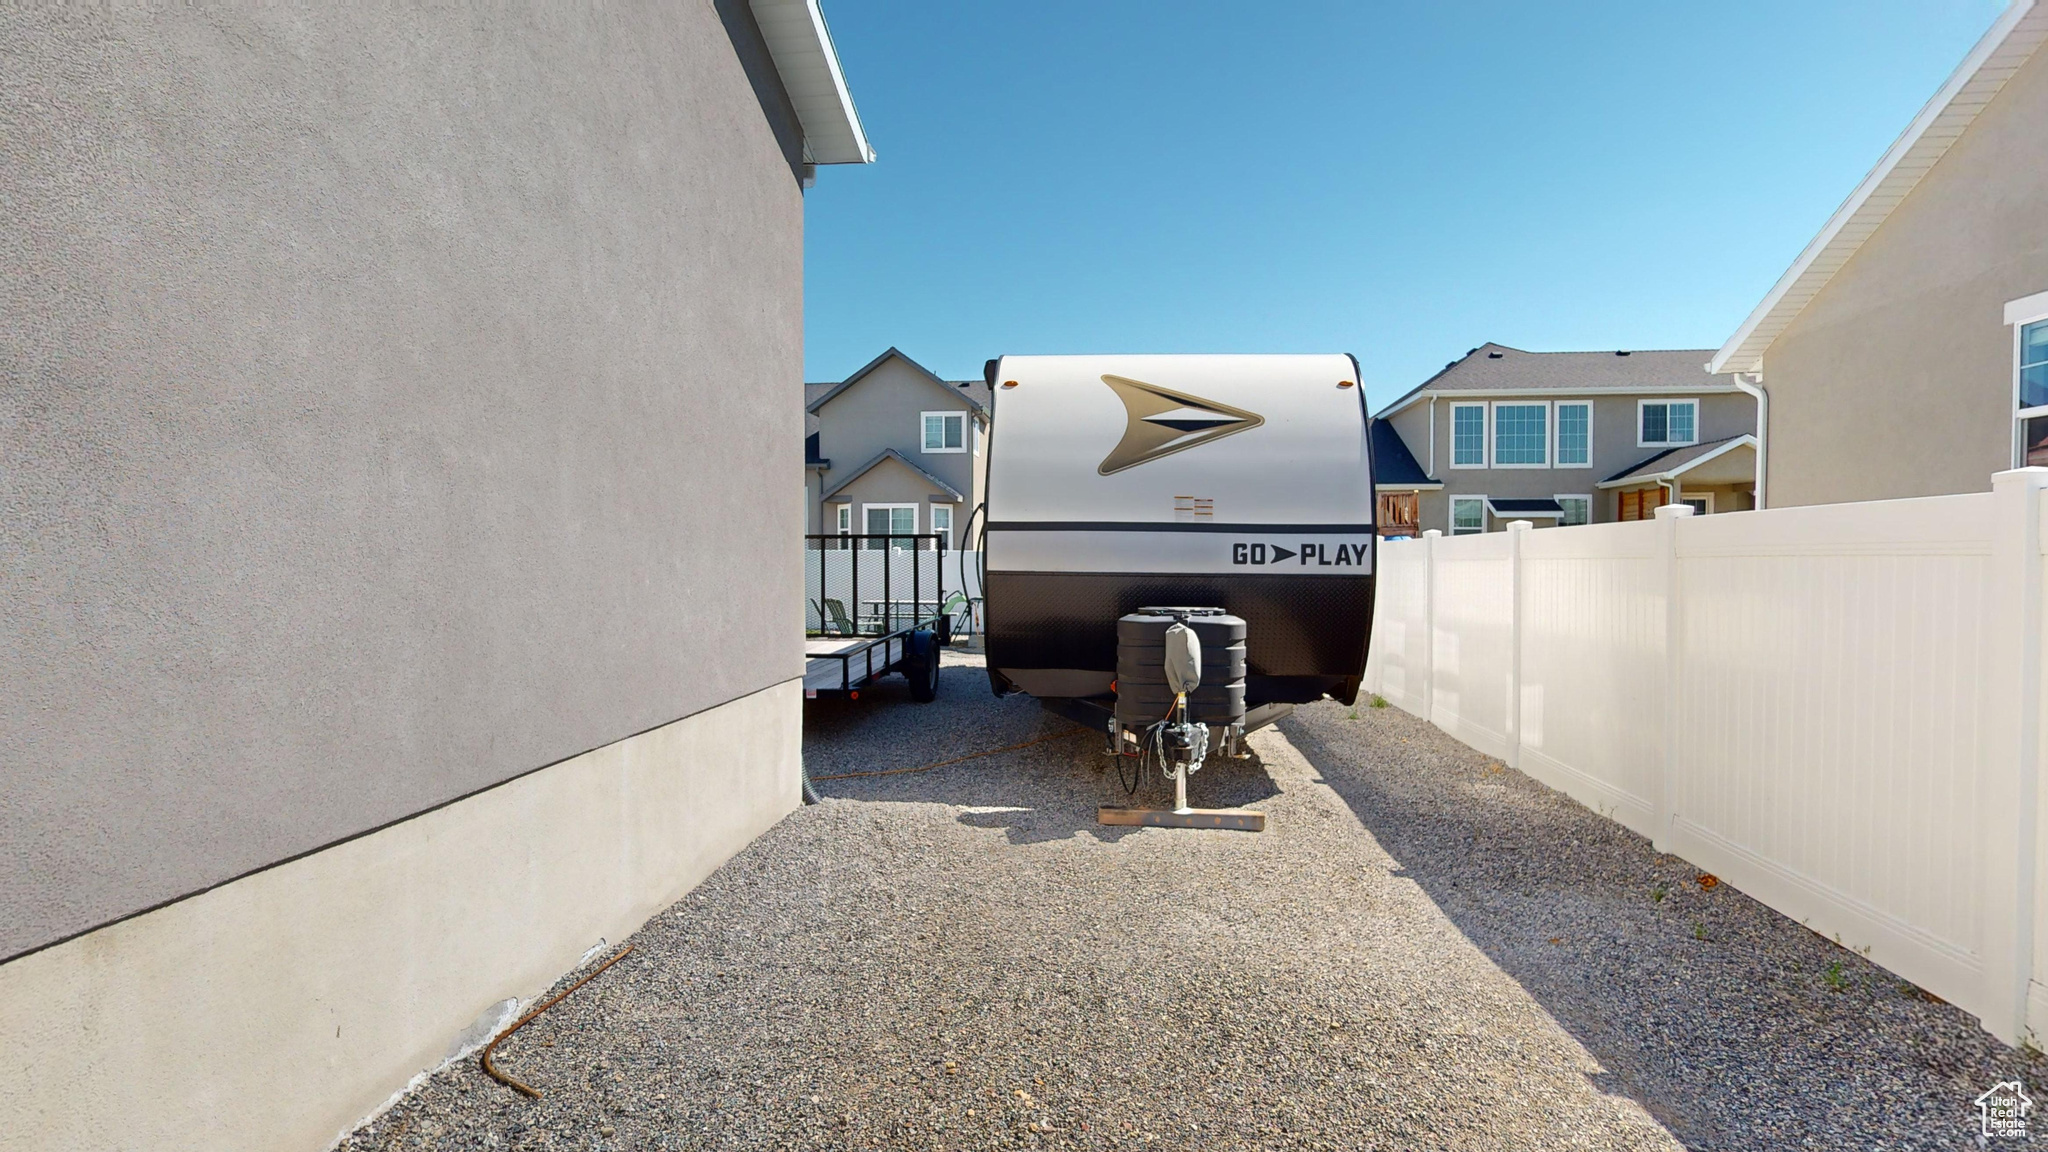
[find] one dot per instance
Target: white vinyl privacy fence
(1836, 709)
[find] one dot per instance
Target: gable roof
(1674, 462)
(2000, 53)
(892, 454)
(801, 46)
(974, 391)
(1393, 465)
(1498, 370)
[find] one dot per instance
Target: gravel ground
(1424, 950)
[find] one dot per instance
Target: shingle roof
(975, 391)
(1499, 368)
(1393, 465)
(900, 458)
(1671, 461)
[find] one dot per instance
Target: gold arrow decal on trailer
(1162, 421)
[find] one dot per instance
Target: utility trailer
(1130, 496)
(846, 649)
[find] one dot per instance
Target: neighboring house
(401, 599)
(1905, 352)
(1399, 482)
(895, 449)
(1561, 438)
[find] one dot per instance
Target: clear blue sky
(1398, 181)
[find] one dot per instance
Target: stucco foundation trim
(277, 1011)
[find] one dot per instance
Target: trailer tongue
(1237, 488)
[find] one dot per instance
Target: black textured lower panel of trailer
(1306, 633)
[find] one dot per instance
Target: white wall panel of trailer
(1836, 709)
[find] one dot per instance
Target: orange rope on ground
(491, 1070)
(955, 760)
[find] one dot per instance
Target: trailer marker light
(1343, 383)
(1009, 383)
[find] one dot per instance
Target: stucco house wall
(890, 482)
(397, 405)
(1896, 380)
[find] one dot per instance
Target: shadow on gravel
(1735, 1027)
(1048, 791)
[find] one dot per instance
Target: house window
(1574, 435)
(945, 431)
(1468, 515)
(890, 520)
(1468, 435)
(1667, 423)
(845, 519)
(1521, 435)
(1577, 509)
(1702, 502)
(942, 521)
(2033, 393)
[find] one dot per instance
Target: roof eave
(801, 46)
(1669, 474)
(1996, 56)
(1708, 388)
(900, 458)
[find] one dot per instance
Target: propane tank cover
(1183, 659)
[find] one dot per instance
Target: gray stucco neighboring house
(1905, 352)
(1561, 438)
(396, 408)
(895, 448)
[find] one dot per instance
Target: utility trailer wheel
(921, 666)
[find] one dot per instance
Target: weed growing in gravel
(1379, 701)
(1699, 930)
(1659, 893)
(1354, 714)
(1835, 980)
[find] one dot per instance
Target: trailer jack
(1180, 746)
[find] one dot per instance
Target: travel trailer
(1236, 484)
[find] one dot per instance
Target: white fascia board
(2011, 39)
(801, 46)
(1675, 473)
(1379, 487)
(1450, 395)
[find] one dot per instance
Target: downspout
(1763, 428)
(1431, 473)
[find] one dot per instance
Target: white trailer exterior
(1236, 482)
